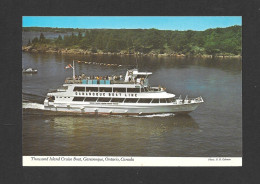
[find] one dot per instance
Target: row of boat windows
(124, 100)
(104, 94)
(109, 89)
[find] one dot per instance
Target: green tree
(42, 38)
(80, 36)
(211, 41)
(29, 43)
(212, 44)
(59, 40)
(35, 40)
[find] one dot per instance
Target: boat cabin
(139, 77)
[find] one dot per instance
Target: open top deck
(131, 77)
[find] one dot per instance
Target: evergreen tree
(35, 40)
(219, 41)
(58, 40)
(79, 36)
(42, 38)
(29, 43)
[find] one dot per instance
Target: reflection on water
(146, 126)
(226, 64)
(103, 135)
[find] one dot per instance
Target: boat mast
(73, 70)
(136, 59)
(136, 62)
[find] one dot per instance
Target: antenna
(135, 54)
(136, 62)
(73, 70)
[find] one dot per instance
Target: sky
(198, 23)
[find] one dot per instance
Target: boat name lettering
(109, 94)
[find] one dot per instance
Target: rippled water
(213, 129)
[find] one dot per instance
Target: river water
(213, 129)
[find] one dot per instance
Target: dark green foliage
(219, 41)
(59, 40)
(29, 43)
(42, 38)
(35, 40)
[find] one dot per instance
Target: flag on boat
(68, 66)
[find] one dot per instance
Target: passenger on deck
(142, 81)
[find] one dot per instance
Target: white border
(122, 161)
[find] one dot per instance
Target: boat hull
(123, 109)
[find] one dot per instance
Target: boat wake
(33, 106)
(155, 115)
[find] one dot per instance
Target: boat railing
(60, 89)
(95, 81)
(156, 89)
(104, 103)
(190, 100)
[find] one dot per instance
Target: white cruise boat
(116, 95)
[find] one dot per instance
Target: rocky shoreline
(86, 52)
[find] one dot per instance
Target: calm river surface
(213, 129)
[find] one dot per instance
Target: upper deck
(101, 82)
(132, 77)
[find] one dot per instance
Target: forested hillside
(219, 41)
